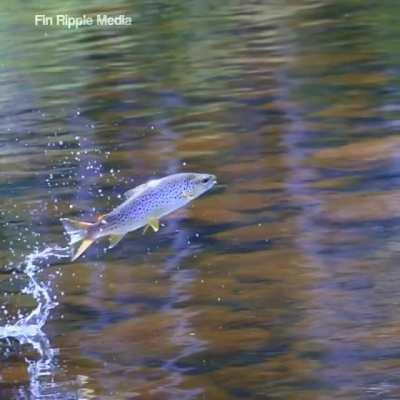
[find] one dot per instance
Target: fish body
(144, 206)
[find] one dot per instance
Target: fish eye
(205, 180)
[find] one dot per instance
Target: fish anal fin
(82, 248)
(114, 240)
(153, 223)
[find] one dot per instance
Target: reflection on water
(282, 283)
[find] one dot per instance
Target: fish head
(197, 184)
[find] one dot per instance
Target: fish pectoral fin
(114, 240)
(189, 195)
(153, 223)
(81, 249)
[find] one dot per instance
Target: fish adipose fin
(100, 218)
(153, 223)
(78, 231)
(114, 240)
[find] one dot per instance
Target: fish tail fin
(78, 231)
(82, 248)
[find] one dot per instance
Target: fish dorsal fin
(138, 190)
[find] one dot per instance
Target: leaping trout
(144, 206)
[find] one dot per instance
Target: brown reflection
(281, 284)
(359, 154)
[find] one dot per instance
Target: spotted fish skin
(144, 206)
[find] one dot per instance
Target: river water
(284, 281)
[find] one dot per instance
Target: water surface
(283, 283)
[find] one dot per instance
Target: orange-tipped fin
(82, 248)
(77, 230)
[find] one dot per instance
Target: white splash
(32, 324)
(28, 328)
